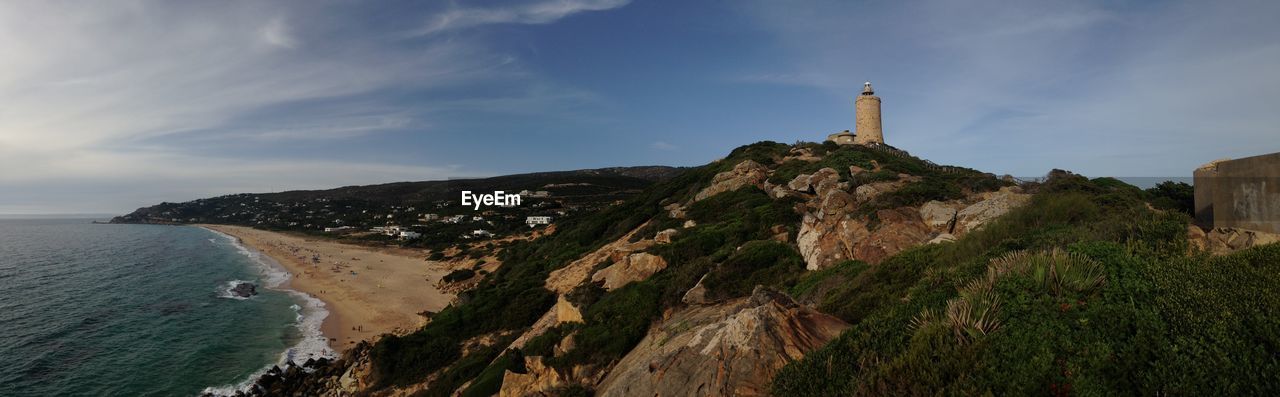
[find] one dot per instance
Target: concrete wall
(1242, 193)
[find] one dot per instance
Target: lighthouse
(867, 107)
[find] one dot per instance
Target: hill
(846, 270)
(407, 204)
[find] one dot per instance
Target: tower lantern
(868, 127)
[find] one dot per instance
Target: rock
(696, 295)
(538, 380)
(244, 290)
(634, 267)
(689, 223)
(675, 211)
(800, 184)
(730, 349)
(824, 180)
(943, 238)
(938, 215)
(1225, 240)
(565, 279)
(746, 173)
(664, 237)
(993, 205)
(855, 170)
(566, 312)
(825, 241)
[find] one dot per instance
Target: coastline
(365, 291)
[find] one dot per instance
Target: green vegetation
(459, 275)
(1083, 291)
(1173, 196)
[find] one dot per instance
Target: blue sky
(108, 106)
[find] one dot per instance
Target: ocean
(141, 310)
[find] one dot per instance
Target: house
(409, 235)
(338, 229)
(481, 233)
(534, 221)
(429, 217)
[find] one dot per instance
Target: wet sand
(368, 291)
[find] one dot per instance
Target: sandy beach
(368, 291)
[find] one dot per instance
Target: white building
(429, 217)
(337, 229)
(534, 221)
(409, 235)
(481, 233)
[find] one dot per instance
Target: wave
(311, 313)
(226, 290)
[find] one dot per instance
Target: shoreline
(365, 291)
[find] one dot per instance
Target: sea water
(141, 310)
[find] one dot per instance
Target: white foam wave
(226, 290)
(310, 315)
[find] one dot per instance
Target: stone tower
(868, 114)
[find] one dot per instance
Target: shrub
(459, 275)
(769, 263)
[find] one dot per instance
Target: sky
(107, 106)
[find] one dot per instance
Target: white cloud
(276, 33)
(90, 93)
(539, 12)
(1027, 86)
(661, 145)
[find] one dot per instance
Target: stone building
(1241, 193)
(867, 123)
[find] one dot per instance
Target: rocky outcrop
(729, 349)
(992, 206)
(244, 290)
(1225, 240)
(746, 173)
(664, 237)
(565, 279)
(938, 215)
(634, 267)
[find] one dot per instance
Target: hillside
(848, 270)
(408, 203)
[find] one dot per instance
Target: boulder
(1225, 240)
(943, 238)
(634, 267)
(746, 173)
(696, 295)
(664, 237)
(800, 184)
(938, 215)
(566, 312)
(729, 349)
(993, 205)
(244, 290)
(825, 180)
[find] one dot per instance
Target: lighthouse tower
(868, 117)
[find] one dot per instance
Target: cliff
(836, 270)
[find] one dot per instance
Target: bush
(459, 275)
(768, 263)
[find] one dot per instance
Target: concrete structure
(868, 117)
(1242, 193)
(409, 235)
(842, 138)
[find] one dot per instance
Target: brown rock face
(634, 267)
(1225, 240)
(991, 207)
(730, 349)
(746, 173)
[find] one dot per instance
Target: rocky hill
(848, 270)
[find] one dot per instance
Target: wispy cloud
(661, 145)
(127, 93)
(1075, 83)
(538, 12)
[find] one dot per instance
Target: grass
(1083, 291)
